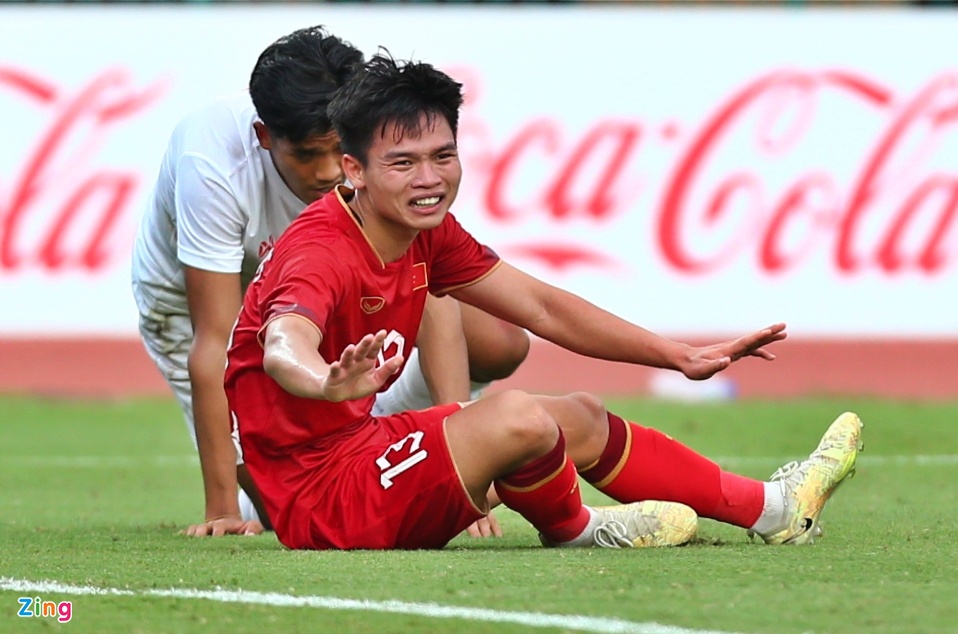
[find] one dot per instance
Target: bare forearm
(299, 374)
(579, 326)
(213, 438)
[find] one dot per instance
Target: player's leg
(496, 348)
(167, 341)
(512, 440)
(629, 462)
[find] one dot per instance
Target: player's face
(413, 180)
(310, 168)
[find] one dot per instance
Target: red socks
(546, 492)
(639, 463)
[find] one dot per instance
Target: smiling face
(310, 168)
(410, 180)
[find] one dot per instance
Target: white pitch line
(112, 462)
(599, 625)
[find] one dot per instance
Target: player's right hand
(224, 526)
(355, 374)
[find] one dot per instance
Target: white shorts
(168, 340)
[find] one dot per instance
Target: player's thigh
(401, 490)
(496, 347)
(167, 341)
(496, 435)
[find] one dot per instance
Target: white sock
(773, 510)
(247, 508)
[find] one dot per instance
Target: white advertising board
(699, 172)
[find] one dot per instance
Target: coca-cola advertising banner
(700, 172)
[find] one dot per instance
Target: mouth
(325, 188)
(427, 204)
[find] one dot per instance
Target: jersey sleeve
(308, 282)
(210, 223)
(457, 259)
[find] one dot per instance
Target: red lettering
(931, 257)
(876, 177)
(115, 191)
(599, 200)
(817, 196)
(56, 184)
(544, 132)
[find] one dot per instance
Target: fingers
(224, 526)
(494, 524)
(473, 530)
(196, 530)
(366, 349)
(485, 527)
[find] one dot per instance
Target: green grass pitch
(93, 495)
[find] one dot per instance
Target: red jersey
(324, 269)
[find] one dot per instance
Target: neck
(390, 240)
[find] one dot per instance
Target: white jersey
(218, 205)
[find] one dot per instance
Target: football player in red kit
(330, 317)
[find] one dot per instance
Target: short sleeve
(210, 223)
(457, 259)
(309, 282)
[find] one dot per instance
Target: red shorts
(388, 483)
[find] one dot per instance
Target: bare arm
(291, 357)
(214, 301)
(579, 326)
(442, 351)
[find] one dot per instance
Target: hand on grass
(224, 526)
(487, 526)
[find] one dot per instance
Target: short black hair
(385, 91)
(295, 78)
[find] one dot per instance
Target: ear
(353, 171)
(262, 133)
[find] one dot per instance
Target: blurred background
(703, 169)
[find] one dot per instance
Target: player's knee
(500, 356)
(592, 406)
(585, 425)
(527, 424)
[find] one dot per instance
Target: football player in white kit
(234, 175)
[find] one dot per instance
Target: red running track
(922, 369)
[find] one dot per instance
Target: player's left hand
(224, 526)
(487, 526)
(704, 362)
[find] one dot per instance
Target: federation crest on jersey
(370, 305)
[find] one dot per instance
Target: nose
(427, 175)
(329, 170)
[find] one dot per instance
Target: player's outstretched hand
(487, 526)
(224, 526)
(355, 375)
(703, 362)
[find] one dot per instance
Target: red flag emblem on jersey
(419, 277)
(371, 304)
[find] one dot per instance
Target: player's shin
(546, 493)
(639, 463)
